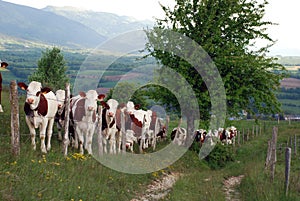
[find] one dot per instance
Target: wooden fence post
(239, 137)
(66, 140)
(269, 152)
(123, 131)
(15, 125)
(273, 156)
(287, 168)
(295, 145)
(99, 131)
(167, 124)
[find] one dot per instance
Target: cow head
(130, 107)
(33, 91)
(91, 98)
(113, 105)
(60, 97)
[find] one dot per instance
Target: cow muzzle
(110, 114)
(30, 100)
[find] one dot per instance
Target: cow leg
(141, 144)
(112, 142)
(32, 132)
(104, 141)
(76, 137)
(59, 128)
(89, 139)
(43, 127)
(119, 141)
(49, 133)
(80, 139)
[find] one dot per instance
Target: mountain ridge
(56, 26)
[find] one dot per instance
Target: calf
(40, 109)
(130, 139)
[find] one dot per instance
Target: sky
(282, 12)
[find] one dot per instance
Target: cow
(60, 115)
(130, 139)
(227, 135)
(199, 136)
(110, 132)
(84, 108)
(232, 133)
(178, 135)
(40, 109)
(142, 120)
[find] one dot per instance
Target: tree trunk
(190, 130)
(66, 140)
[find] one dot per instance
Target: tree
(228, 31)
(128, 91)
(51, 71)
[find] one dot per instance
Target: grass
(35, 176)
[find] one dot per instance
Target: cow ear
(101, 97)
(45, 90)
(137, 106)
(104, 105)
(22, 85)
(82, 94)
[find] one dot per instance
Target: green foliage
(125, 91)
(227, 31)
(51, 71)
(220, 156)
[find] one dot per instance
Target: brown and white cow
(40, 109)
(84, 108)
(227, 135)
(141, 119)
(111, 134)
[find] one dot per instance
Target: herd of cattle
(44, 108)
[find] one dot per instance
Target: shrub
(220, 156)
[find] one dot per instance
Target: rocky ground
(229, 188)
(159, 188)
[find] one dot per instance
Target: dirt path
(229, 187)
(159, 189)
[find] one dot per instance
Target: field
(35, 176)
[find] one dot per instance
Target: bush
(220, 156)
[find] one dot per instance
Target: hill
(106, 24)
(41, 26)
